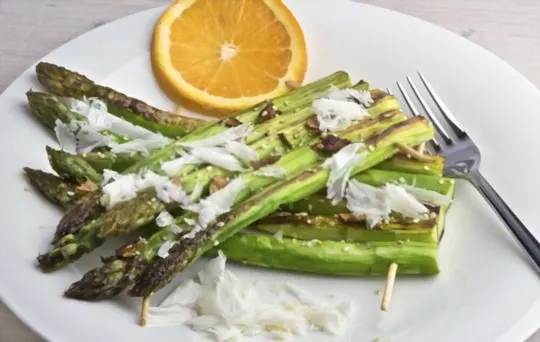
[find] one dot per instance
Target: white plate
(487, 290)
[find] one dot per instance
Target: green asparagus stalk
(54, 188)
(63, 82)
(331, 257)
(297, 160)
(320, 205)
(402, 163)
(334, 228)
(72, 167)
(159, 273)
(122, 219)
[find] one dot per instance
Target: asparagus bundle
(121, 219)
(289, 142)
(110, 279)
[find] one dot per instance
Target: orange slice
(227, 55)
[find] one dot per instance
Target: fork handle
(518, 229)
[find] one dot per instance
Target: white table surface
(30, 29)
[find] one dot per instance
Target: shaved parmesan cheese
(79, 137)
(218, 156)
(125, 187)
(428, 196)
(190, 222)
(164, 219)
(218, 203)
(337, 115)
(97, 113)
(172, 167)
(173, 228)
(87, 136)
(338, 109)
(227, 307)
(341, 165)
(377, 203)
(273, 171)
(403, 202)
(349, 94)
(237, 133)
(164, 249)
(241, 151)
(279, 235)
(151, 142)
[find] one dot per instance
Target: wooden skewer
(144, 311)
(389, 286)
(421, 148)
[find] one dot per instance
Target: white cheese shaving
(173, 228)
(273, 171)
(96, 112)
(190, 222)
(349, 94)
(426, 196)
(226, 307)
(238, 133)
(338, 109)
(79, 136)
(218, 203)
(341, 165)
(377, 203)
(125, 187)
(172, 167)
(164, 219)
(143, 145)
(241, 151)
(218, 156)
(86, 136)
(163, 251)
(279, 235)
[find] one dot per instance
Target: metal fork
(463, 160)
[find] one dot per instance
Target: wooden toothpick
(389, 286)
(144, 311)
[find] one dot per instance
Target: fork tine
(415, 112)
(408, 100)
(442, 107)
(430, 114)
(388, 91)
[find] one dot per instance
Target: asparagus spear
(72, 167)
(402, 163)
(320, 205)
(63, 82)
(53, 187)
(331, 257)
(121, 219)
